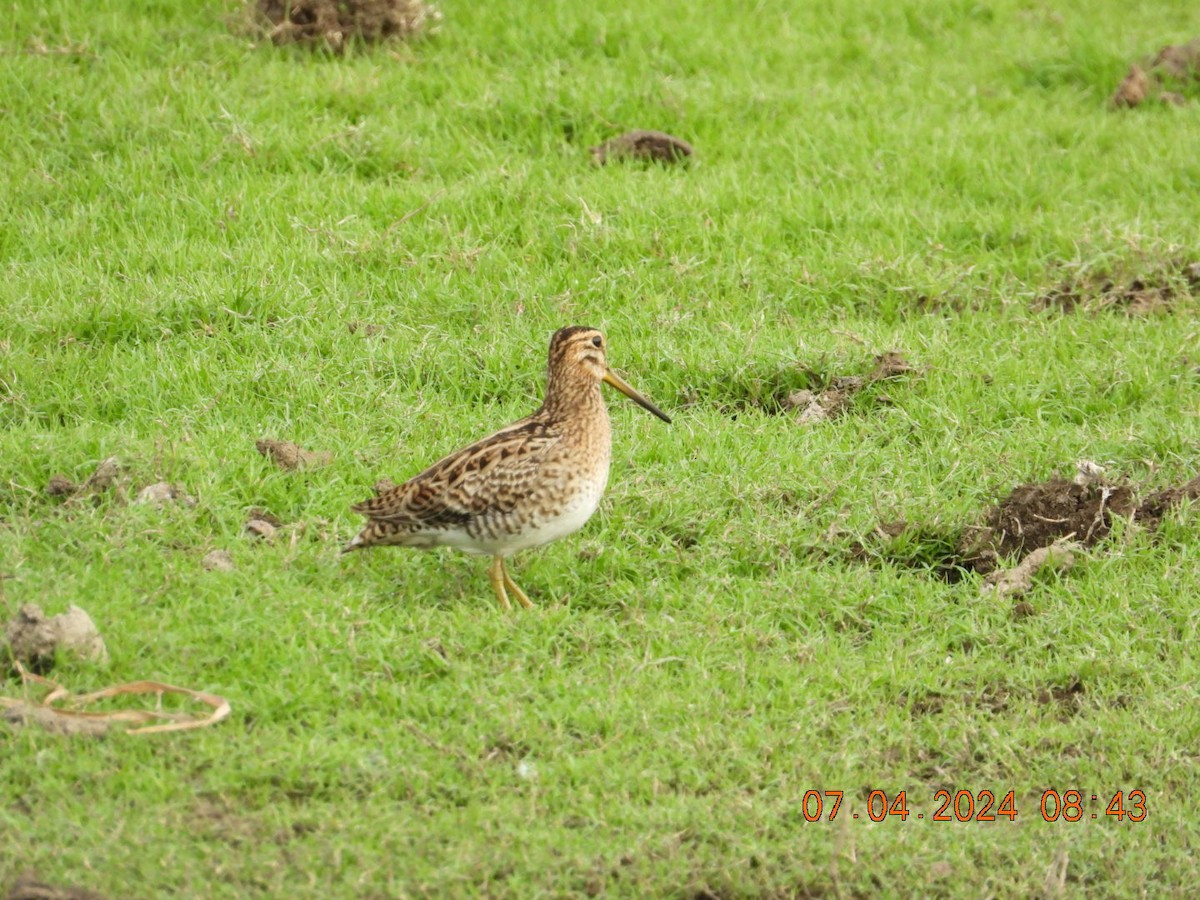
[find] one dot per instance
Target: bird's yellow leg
(512, 586)
(497, 576)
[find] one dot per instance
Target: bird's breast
(559, 513)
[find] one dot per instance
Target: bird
(538, 480)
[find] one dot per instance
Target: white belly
(542, 529)
(573, 517)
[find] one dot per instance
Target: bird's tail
(354, 544)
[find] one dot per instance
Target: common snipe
(528, 484)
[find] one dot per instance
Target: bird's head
(578, 349)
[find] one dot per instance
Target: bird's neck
(573, 397)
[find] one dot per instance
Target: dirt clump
(924, 703)
(289, 456)
(815, 406)
(261, 529)
(1133, 88)
(1018, 580)
(382, 486)
(994, 698)
(1043, 524)
(163, 492)
(336, 23)
(106, 476)
(29, 887)
(219, 560)
(1070, 695)
(1166, 77)
(61, 486)
(890, 365)
(1155, 508)
(657, 146)
(263, 525)
(1037, 515)
(34, 638)
(1181, 61)
(1135, 295)
(263, 516)
(810, 392)
(891, 529)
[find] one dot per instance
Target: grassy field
(191, 223)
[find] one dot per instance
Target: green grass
(190, 222)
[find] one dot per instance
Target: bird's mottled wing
(489, 476)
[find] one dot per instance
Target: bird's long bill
(621, 385)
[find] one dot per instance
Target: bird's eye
(597, 341)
